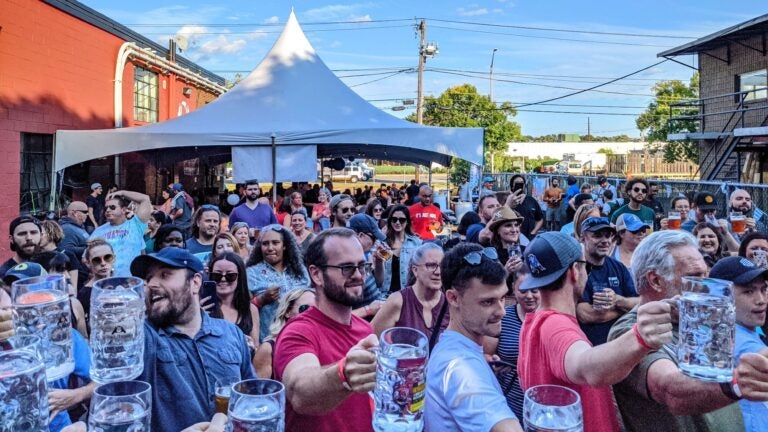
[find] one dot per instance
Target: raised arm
(144, 206)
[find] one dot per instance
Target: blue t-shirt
(755, 413)
(462, 392)
(82, 356)
(127, 241)
(183, 371)
(261, 216)
(614, 275)
(194, 247)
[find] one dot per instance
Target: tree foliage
(655, 120)
(463, 106)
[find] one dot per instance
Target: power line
(278, 32)
(378, 79)
(275, 24)
(484, 75)
(550, 37)
(552, 29)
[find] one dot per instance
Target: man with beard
(637, 189)
(323, 355)
(558, 352)
(475, 289)
(126, 236)
(25, 239)
(256, 213)
(553, 197)
(185, 350)
(426, 217)
(526, 205)
(205, 226)
(342, 210)
(610, 291)
(654, 204)
(742, 202)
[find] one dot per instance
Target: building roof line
(744, 29)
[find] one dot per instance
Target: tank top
(412, 314)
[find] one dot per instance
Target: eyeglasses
(106, 259)
(637, 189)
(400, 220)
(111, 207)
(346, 210)
(218, 276)
(432, 267)
(349, 269)
(378, 210)
(475, 258)
(303, 308)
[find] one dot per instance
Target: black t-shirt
(531, 211)
(98, 210)
(614, 275)
(7, 266)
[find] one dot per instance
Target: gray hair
(654, 254)
(416, 258)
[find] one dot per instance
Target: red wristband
(256, 302)
(340, 372)
(640, 339)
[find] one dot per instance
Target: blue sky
(233, 35)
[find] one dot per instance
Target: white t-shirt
(462, 392)
(127, 241)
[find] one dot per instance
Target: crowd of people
(576, 288)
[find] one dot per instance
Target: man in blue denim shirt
(185, 350)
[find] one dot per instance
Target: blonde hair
(226, 236)
(582, 213)
(284, 306)
(53, 231)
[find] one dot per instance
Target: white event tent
(288, 112)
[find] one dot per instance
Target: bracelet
(340, 372)
(640, 340)
(256, 302)
(731, 389)
(368, 311)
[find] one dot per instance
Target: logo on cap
(498, 215)
(708, 199)
(746, 263)
(535, 265)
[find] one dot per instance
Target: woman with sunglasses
(169, 236)
(99, 258)
(241, 232)
(505, 226)
(275, 268)
(403, 242)
(419, 304)
(321, 212)
(294, 303)
(234, 305)
(299, 229)
(375, 209)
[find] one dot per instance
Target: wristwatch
(731, 389)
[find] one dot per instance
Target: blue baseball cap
(363, 223)
(548, 256)
(488, 179)
(23, 270)
(168, 257)
(630, 222)
(596, 224)
(738, 270)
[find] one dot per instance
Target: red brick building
(58, 63)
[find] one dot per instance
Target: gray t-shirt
(641, 413)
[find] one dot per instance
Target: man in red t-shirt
(559, 352)
(425, 216)
(322, 354)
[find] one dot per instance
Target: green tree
(654, 121)
(463, 106)
(605, 150)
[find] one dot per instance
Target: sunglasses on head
(218, 276)
(108, 258)
(400, 220)
(476, 257)
(273, 227)
(210, 207)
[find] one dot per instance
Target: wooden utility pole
(420, 90)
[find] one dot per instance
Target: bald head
(741, 201)
(78, 211)
(425, 195)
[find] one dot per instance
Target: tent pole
(274, 171)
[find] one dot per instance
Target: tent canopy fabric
(293, 97)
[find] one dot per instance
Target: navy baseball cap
(548, 256)
(363, 223)
(23, 271)
(738, 270)
(168, 257)
(596, 224)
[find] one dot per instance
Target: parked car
(352, 172)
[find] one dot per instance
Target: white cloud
(363, 18)
(258, 34)
(222, 45)
(272, 20)
(472, 12)
(336, 12)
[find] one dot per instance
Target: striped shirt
(508, 350)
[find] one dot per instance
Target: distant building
(66, 66)
(731, 116)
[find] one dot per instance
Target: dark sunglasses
(637, 189)
(475, 258)
(346, 210)
(108, 258)
(349, 269)
(217, 276)
(82, 211)
(400, 220)
(303, 308)
(111, 207)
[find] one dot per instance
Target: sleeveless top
(411, 314)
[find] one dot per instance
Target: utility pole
(490, 78)
(589, 131)
(420, 92)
